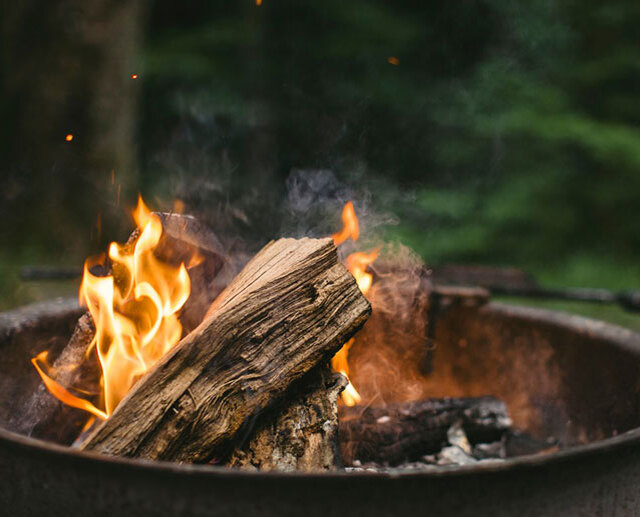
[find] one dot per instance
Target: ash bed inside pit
(566, 380)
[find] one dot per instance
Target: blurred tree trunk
(67, 68)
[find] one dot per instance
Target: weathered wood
(290, 309)
(302, 435)
(405, 432)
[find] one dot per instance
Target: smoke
(388, 351)
(315, 198)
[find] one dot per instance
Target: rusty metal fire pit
(575, 377)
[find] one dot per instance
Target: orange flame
(350, 229)
(357, 264)
(135, 312)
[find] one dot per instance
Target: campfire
(313, 355)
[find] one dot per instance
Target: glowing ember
(134, 76)
(393, 61)
(69, 137)
(357, 264)
(258, 2)
(135, 311)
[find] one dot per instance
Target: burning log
(301, 436)
(184, 240)
(52, 419)
(407, 431)
(289, 310)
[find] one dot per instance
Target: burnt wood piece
(303, 434)
(290, 309)
(51, 419)
(404, 432)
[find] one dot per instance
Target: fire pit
(571, 376)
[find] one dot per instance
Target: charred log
(405, 432)
(54, 420)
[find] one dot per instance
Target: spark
(393, 61)
(69, 137)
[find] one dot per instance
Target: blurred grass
(15, 292)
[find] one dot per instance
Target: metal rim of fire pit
(609, 444)
(623, 337)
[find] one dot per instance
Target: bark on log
(302, 435)
(290, 309)
(405, 432)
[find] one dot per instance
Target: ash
(458, 452)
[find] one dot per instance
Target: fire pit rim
(13, 320)
(580, 452)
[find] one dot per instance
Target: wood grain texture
(300, 436)
(291, 308)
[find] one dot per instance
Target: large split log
(404, 432)
(290, 309)
(302, 435)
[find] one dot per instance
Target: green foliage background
(508, 134)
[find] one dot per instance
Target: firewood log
(406, 431)
(184, 239)
(303, 434)
(290, 309)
